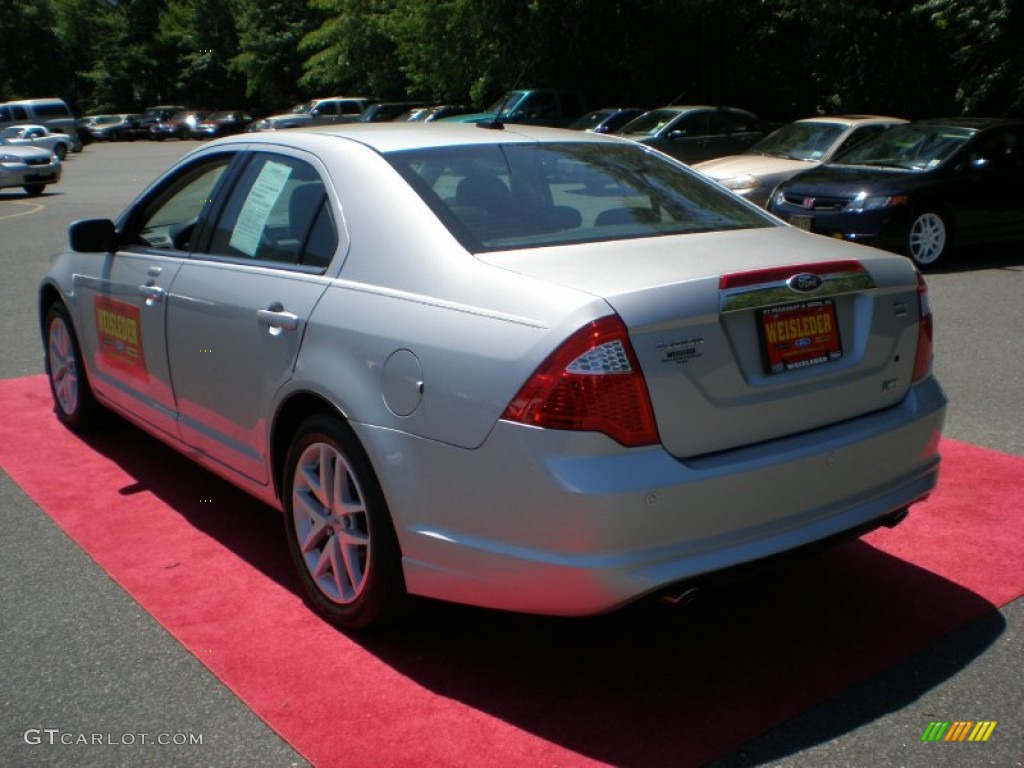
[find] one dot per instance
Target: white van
(51, 112)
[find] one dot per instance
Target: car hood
(829, 178)
(753, 165)
(24, 152)
(291, 117)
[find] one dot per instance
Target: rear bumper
(573, 524)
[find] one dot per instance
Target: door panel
(237, 314)
(123, 311)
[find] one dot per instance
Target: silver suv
(336, 109)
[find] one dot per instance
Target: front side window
(278, 212)
(498, 197)
(169, 220)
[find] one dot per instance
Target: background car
(386, 111)
(114, 127)
(31, 168)
(695, 133)
(918, 189)
(789, 150)
(557, 107)
(52, 113)
(37, 136)
(221, 123)
(436, 112)
(178, 126)
(530, 369)
(329, 111)
(607, 120)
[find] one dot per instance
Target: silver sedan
(504, 366)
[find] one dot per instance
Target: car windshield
(12, 133)
(506, 103)
(303, 109)
(221, 116)
(911, 147)
(800, 141)
(591, 120)
(501, 197)
(649, 123)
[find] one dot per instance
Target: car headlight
(739, 182)
(862, 202)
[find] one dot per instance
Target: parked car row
(916, 188)
(159, 123)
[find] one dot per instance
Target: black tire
(34, 190)
(344, 548)
(929, 238)
(61, 151)
(73, 401)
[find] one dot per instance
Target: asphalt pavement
(79, 655)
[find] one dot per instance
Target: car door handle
(276, 317)
(153, 293)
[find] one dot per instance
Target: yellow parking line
(32, 208)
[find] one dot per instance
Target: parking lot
(73, 641)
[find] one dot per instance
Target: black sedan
(918, 189)
(222, 123)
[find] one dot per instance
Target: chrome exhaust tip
(679, 599)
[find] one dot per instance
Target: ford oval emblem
(805, 282)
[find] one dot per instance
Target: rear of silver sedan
(703, 424)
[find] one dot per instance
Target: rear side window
(499, 197)
(278, 212)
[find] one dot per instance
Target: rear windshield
(499, 197)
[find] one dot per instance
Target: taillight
(923, 357)
(592, 383)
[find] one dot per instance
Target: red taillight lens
(592, 383)
(923, 357)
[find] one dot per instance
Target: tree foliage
(781, 58)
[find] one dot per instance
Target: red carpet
(463, 687)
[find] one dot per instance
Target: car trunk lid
(745, 337)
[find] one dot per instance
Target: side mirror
(315, 112)
(92, 236)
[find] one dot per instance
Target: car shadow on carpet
(647, 685)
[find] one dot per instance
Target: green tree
(351, 51)
(198, 39)
(269, 33)
(27, 42)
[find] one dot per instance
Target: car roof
(970, 123)
(391, 137)
(850, 120)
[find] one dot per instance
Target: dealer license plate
(799, 335)
(802, 222)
